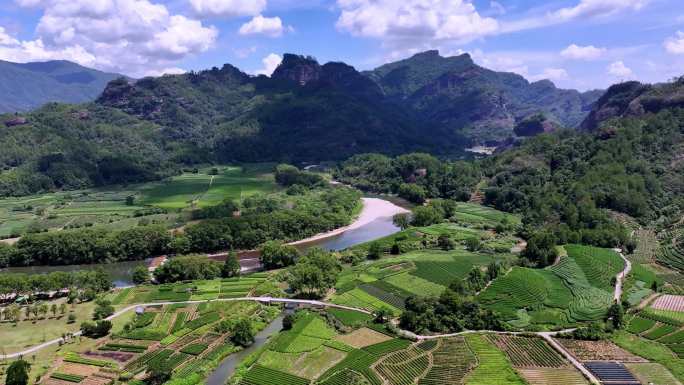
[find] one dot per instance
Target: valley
(222, 228)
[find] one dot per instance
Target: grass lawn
(16, 337)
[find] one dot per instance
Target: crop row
(358, 361)
(194, 349)
(67, 377)
(404, 373)
(384, 296)
(259, 375)
(528, 351)
(451, 362)
(75, 358)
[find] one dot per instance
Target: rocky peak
(299, 69)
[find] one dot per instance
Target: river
(228, 365)
(374, 221)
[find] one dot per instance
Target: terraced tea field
(571, 291)
(671, 250)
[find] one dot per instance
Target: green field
(390, 281)
(154, 202)
(202, 189)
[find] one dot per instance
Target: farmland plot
(669, 302)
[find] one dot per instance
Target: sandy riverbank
(373, 208)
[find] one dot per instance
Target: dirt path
(621, 276)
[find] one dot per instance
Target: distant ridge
(26, 86)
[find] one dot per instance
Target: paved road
(131, 307)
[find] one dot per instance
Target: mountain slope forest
(570, 186)
(26, 86)
(305, 112)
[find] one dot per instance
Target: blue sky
(580, 44)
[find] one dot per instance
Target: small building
(139, 310)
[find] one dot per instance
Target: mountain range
(26, 86)
(304, 112)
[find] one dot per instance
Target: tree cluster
(26, 284)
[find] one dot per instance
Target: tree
(541, 249)
(231, 267)
(314, 274)
(43, 308)
(288, 321)
(62, 308)
(276, 255)
(476, 279)
(412, 192)
(473, 244)
(375, 250)
(382, 315)
(243, 334)
(445, 242)
(130, 200)
(17, 373)
(616, 313)
(493, 270)
(403, 221)
(53, 309)
(425, 216)
(103, 309)
(190, 267)
(158, 373)
(71, 318)
(96, 330)
(141, 275)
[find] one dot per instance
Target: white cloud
(576, 52)
(6, 39)
(551, 74)
(166, 71)
(228, 8)
(585, 9)
(271, 62)
(675, 44)
(259, 25)
(411, 20)
(135, 37)
(620, 70)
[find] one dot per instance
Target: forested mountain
(26, 86)
(456, 94)
(304, 112)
